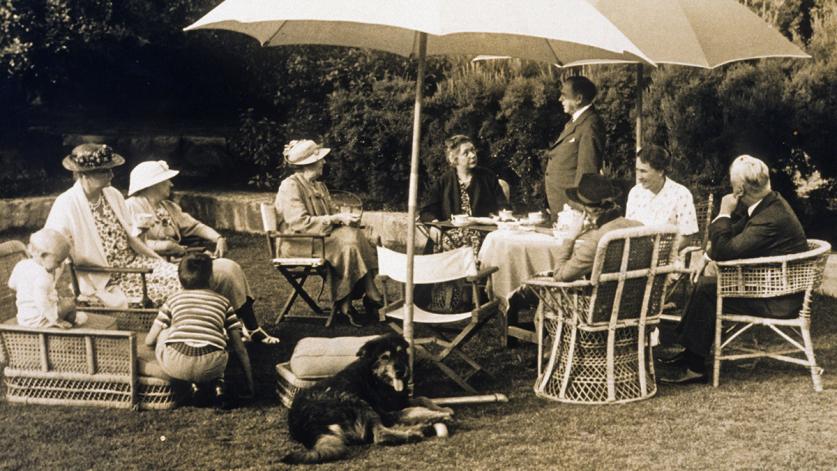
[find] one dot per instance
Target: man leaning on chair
(753, 221)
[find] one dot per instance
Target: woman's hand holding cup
(346, 219)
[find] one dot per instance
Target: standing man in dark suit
(754, 221)
(579, 148)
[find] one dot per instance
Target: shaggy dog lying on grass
(367, 402)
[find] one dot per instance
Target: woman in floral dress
(95, 219)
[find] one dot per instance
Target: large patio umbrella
(557, 31)
(694, 33)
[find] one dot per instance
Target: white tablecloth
(519, 256)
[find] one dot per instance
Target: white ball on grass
(441, 429)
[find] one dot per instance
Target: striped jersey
(198, 317)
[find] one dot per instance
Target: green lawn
(761, 417)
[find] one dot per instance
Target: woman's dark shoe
(350, 312)
(677, 359)
(372, 308)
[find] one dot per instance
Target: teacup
(506, 215)
(459, 219)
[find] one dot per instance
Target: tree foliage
(130, 59)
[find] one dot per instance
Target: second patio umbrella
(694, 33)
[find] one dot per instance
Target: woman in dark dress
(464, 189)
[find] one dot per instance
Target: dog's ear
(368, 349)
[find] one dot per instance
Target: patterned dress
(162, 282)
(462, 236)
(453, 296)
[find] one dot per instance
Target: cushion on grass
(319, 357)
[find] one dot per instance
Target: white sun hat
(148, 174)
(304, 152)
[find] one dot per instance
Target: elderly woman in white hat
(303, 204)
(164, 226)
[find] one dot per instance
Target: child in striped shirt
(194, 328)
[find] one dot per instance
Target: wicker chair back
(11, 252)
(630, 272)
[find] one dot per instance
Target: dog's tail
(327, 448)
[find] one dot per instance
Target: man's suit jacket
(578, 150)
(773, 229)
(576, 256)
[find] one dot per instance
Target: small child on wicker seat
(193, 330)
(33, 280)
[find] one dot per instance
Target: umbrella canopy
(557, 31)
(696, 33)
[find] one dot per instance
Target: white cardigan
(71, 215)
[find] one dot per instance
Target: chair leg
(816, 371)
(448, 371)
(299, 290)
(438, 361)
(716, 358)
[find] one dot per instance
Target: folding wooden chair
(448, 331)
(768, 277)
(296, 270)
(679, 286)
(601, 350)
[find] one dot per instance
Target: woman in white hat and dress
(303, 205)
(163, 226)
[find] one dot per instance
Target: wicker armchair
(768, 277)
(601, 351)
(88, 366)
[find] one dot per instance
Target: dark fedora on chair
(593, 190)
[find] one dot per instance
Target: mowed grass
(763, 416)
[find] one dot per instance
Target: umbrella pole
(639, 73)
(411, 204)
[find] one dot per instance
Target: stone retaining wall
(240, 212)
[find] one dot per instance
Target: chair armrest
(688, 249)
(481, 274)
(552, 283)
(279, 235)
(95, 269)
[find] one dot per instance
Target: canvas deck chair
(601, 350)
(448, 331)
(296, 270)
(768, 277)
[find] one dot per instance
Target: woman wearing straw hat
(93, 217)
(164, 227)
(96, 221)
(303, 204)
